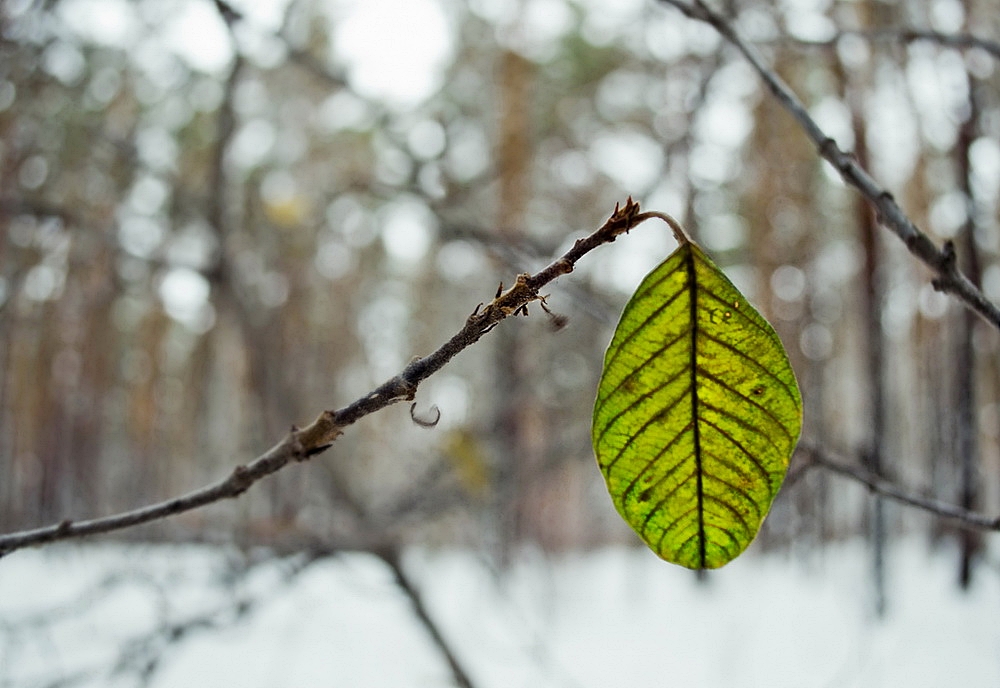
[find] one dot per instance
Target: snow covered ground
(612, 618)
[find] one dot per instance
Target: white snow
(617, 617)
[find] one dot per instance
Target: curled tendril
(423, 422)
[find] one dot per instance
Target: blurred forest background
(220, 219)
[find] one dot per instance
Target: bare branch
(301, 444)
(961, 41)
(815, 456)
(940, 260)
(951, 40)
(404, 583)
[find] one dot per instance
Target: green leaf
(697, 413)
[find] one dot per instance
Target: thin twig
(302, 444)
(941, 260)
(951, 40)
(403, 582)
(962, 41)
(816, 457)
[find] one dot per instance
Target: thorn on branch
(623, 219)
(477, 314)
(422, 422)
(309, 453)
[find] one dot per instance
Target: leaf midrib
(692, 286)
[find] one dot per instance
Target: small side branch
(960, 41)
(950, 40)
(816, 457)
(949, 278)
(302, 444)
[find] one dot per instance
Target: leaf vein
(763, 409)
(750, 427)
(606, 396)
(753, 459)
(617, 346)
(760, 366)
(659, 414)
